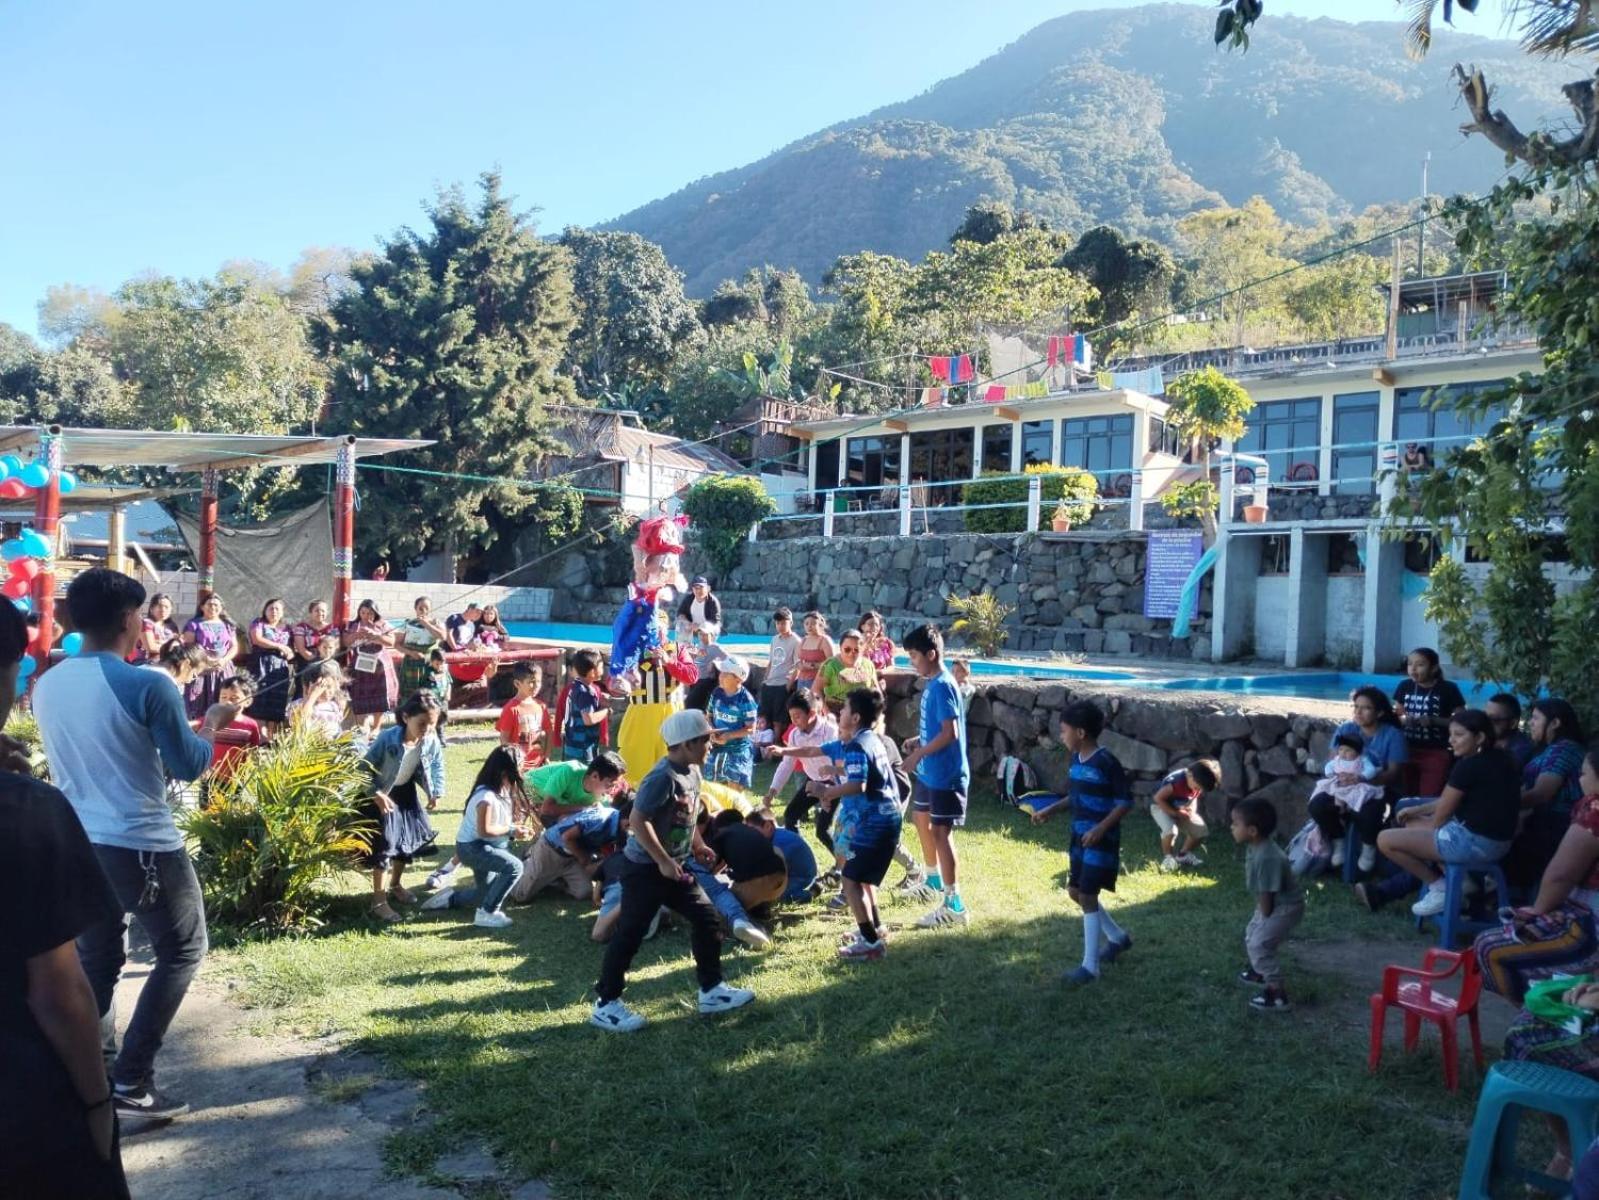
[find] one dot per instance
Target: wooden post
(343, 532)
(46, 522)
(208, 535)
(117, 539)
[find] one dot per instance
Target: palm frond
(1555, 28)
(1418, 27)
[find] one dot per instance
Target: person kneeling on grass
(867, 830)
(1279, 902)
(483, 841)
(1175, 807)
(662, 835)
(799, 861)
(569, 852)
(1100, 798)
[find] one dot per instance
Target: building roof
(1054, 405)
(195, 451)
(144, 522)
(609, 435)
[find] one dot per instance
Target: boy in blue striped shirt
(1100, 798)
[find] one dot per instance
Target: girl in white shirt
(483, 841)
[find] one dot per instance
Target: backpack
(1016, 779)
(1307, 852)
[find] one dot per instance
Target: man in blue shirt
(112, 733)
(940, 775)
(569, 853)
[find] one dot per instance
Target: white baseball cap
(733, 665)
(684, 726)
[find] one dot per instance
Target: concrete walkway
(275, 1116)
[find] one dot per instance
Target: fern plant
(980, 619)
(285, 819)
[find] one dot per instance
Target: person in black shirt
(1470, 825)
(1426, 701)
(759, 873)
(58, 1136)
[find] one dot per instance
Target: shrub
(23, 728)
(1077, 487)
(722, 508)
(980, 619)
(286, 819)
(1196, 498)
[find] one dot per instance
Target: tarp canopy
(196, 451)
(290, 557)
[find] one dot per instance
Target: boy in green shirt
(1279, 902)
(560, 789)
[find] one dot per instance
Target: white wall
(1271, 617)
(1346, 600)
(395, 599)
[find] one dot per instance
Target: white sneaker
(915, 887)
(751, 934)
(442, 876)
(439, 899)
(490, 920)
(1338, 853)
(722, 998)
(1368, 857)
(615, 1017)
(1190, 859)
(1169, 863)
(1430, 904)
(944, 916)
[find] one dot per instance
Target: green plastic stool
(1509, 1088)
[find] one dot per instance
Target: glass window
(1038, 443)
(1354, 438)
(997, 441)
(872, 461)
(827, 464)
(1285, 433)
(939, 456)
(1427, 417)
(1103, 445)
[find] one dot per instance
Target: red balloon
(25, 568)
(13, 489)
(16, 588)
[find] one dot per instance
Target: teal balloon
(22, 686)
(35, 475)
(12, 548)
(72, 643)
(28, 666)
(24, 604)
(68, 482)
(34, 544)
(12, 465)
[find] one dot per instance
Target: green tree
(1338, 298)
(1132, 276)
(722, 508)
(1229, 248)
(455, 333)
(1206, 406)
(632, 315)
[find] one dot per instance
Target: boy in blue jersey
(732, 711)
(1100, 798)
(940, 774)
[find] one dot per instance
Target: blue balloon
(12, 548)
(12, 465)
(35, 474)
(34, 544)
(28, 666)
(72, 643)
(24, 604)
(22, 686)
(68, 482)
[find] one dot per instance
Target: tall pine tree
(453, 334)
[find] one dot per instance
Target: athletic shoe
(1270, 1000)
(1114, 949)
(858, 949)
(751, 934)
(442, 876)
(1190, 859)
(1251, 978)
(1169, 863)
(722, 998)
(439, 899)
(1368, 858)
(836, 902)
(915, 887)
(1338, 853)
(146, 1103)
(615, 1017)
(484, 919)
(1078, 975)
(942, 916)
(1430, 904)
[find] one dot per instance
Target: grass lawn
(955, 1067)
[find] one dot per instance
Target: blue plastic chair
(1450, 923)
(1509, 1088)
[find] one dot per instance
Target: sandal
(383, 912)
(403, 896)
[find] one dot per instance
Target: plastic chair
(1509, 1088)
(1411, 991)
(1450, 923)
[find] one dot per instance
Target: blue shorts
(1458, 845)
(946, 806)
(610, 898)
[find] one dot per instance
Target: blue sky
(179, 134)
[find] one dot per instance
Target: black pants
(644, 891)
(799, 806)
(1330, 820)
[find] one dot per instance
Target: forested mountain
(1125, 116)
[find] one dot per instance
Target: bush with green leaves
(1074, 487)
(980, 619)
(722, 509)
(1197, 498)
(286, 818)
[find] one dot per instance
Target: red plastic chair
(1416, 998)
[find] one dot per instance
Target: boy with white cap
(732, 712)
(662, 836)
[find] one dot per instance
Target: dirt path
(277, 1116)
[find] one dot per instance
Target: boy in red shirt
(235, 739)
(524, 722)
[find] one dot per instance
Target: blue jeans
(495, 870)
(174, 924)
(720, 895)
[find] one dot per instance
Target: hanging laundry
(1105, 380)
(939, 366)
(963, 369)
(994, 394)
(1052, 355)
(1082, 352)
(1150, 381)
(933, 397)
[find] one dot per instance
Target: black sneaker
(1251, 978)
(146, 1103)
(1271, 1000)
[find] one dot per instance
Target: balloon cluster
(18, 479)
(25, 556)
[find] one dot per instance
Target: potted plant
(1255, 514)
(1078, 490)
(1061, 520)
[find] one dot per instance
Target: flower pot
(1255, 514)
(1060, 524)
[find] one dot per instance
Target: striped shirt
(1098, 786)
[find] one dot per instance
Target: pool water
(1309, 685)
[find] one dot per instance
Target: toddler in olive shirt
(1279, 902)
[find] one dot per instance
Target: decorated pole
(343, 531)
(208, 535)
(46, 521)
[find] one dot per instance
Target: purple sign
(1170, 559)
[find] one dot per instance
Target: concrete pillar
(904, 511)
(1233, 595)
(1307, 598)
(1224, 515)
(1035, 496)
(117, 539)
(1385, 568)
(1135, 502)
